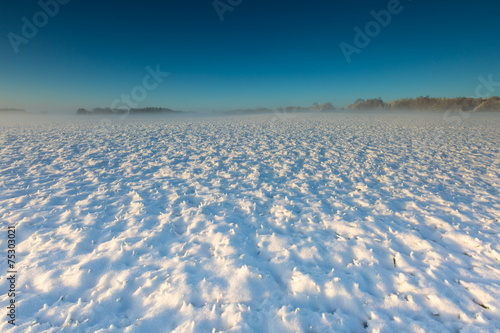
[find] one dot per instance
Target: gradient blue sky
(264, 53)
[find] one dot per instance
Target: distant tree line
(317, 107)
(288, 109)
(429, 104)
(12, 110)
(148, 110)
(420, 103)
(152, 110)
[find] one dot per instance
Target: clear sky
(263, 54)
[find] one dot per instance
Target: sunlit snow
(265, 223)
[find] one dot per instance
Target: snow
(264, 223)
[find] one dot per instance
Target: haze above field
(253, 54)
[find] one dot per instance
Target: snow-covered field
(308, 223)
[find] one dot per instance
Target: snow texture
(263, 223)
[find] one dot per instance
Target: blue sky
(264, 53)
